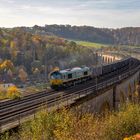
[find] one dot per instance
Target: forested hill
(124, 36)
(38, 53)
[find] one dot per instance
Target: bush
(13, 92)
(66, 125)
(3, 93)
(135, 137)
(124, 123)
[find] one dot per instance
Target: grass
(35, 88)
(42, 86)
(100, 45)
(68, 125)
(91, 44)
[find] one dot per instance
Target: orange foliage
(7, 64)
(23, 75)
(135, 137)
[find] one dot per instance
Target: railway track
(11, 110)
(5, 106)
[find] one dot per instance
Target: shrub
(135, 137)
(13, 92)
(67, 125)
(124, 123)
(3, 93)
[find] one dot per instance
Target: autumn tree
(22, 75)
(6, 65)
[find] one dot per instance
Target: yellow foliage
(4, 41)
(68, 125)
(7, 64)
(3, 92)
(12, 44)
(64, 125)
(135, 137)
(13, 92)
(126, 139)
(12, 89)
(36, 39)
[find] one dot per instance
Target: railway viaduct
(114, 96)
(110, 57)
(106, 94)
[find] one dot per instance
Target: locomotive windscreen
(55, 75)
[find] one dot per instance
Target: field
(91, 44)
(99, 45)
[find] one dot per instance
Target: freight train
(70, 77)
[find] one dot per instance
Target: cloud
(100, 13)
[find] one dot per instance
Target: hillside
(38, 54)
(123, 36)
(37, 50)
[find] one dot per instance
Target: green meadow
(100, 45)
(91, 44)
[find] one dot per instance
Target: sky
(97, 13)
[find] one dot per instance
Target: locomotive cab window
(85, 73)
(55, 75)
(69, 76)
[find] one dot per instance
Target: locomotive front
(69, 77)
(55, 80)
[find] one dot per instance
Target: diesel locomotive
(69, 77)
